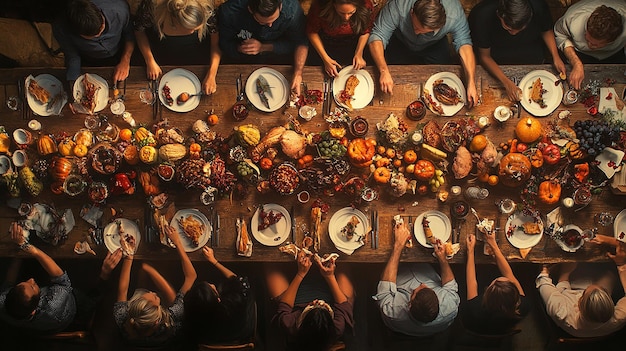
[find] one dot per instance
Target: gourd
(194, 150)
(528, 130)
(549, 192)
(33, 185)
(144, 137)
(46, 146)
(172, 152)
(150, 183)
(360, 152)
(536, 158)
(382, 175)
(514, 169)
(5, 141)
(148, 154)
(424, 170)
(80, 150)
(247, 135)
(60, 168)
(410, 156)
(66, 147)
(131, 155)
(574, 151)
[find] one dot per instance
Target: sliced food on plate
(536, 93)
(268, 218)
(446, 94)
(192, 228)
(89, 99)
(244, 244)
(127, 241)
(428, 233)
(316, 225)
(345, 96)
(38, 92)
(349, 230)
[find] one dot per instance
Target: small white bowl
(5, 164)
(502, 113)
(19, 158)
(307, 112)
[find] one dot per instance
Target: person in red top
(338, 30)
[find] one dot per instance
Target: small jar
(359, 127)
(417, 137)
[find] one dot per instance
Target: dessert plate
(275, 234)
(515, 232)
(363, 93)
(439, 223)
(339, 220)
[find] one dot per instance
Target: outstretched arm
(48, 264)
(153, 70)
(378, 55)
(166, 290)
(550, 41)
(466, 52)
(328, 272)
(304, 264)
(331, 67)
(513, 91)
(298, 66)
(578, 70)
(122, 288)
(401, 236)
(446, 271)
(358, 61)
(620, 260)
(210, 85)
(470, 268)
(208, 253)
(188, 270)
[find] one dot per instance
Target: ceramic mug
(5, 164)
(22, 137)
(19, 158)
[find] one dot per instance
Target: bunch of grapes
(595, 135)
(331, 148)
(244, 169)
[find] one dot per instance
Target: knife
(217, 229)
(293, 224)
(263, 88)
(212, 215)
(376, 229)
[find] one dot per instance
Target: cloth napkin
(554, 222)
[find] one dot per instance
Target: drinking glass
(147, 96)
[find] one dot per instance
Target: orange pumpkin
(131, 155)
(549, 192)
(536, 158)
(514, 169)
(528, 129)
(383, 162)
(60, 168)
(410, 156)
(424, 170)
(382, 175)
(360, 152)
(194, 150)
(66, 147)
(266, 163)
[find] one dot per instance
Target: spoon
(184, 97)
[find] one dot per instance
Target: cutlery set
(374, 229)
(154, 88)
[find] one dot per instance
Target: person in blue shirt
(415, 32)
(96, 33)
(264, 31)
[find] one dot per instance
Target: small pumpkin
(424, 170)
(66, 147)
(148, 154)
(382, 175)
(46, 146)
(536, 158)
(574, 151)
(80, 150)
(549, 192)
(60, 168)
(383, 162)
(194, 150)
(528, 129)
(410, 156)
(514, 169)
(131, 155)
(360, 151)
(266, 163)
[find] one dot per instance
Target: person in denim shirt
(419, 29)
(264, 31)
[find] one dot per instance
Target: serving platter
(198, 216)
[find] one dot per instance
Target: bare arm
(513, 91)
(446, 271)
(304, 264)
(166, 290)
(620, 261)
(298, 66)
(468, 61)
(122, 69)
(378, 55)
(358, 62)
(331, 67)
(210, 85)
(401, 236)
(122, 288)
(502, 263)
(578, 71)
(328, 272)
(48, 264)
(208, 253)
(188, 270)
(470, 268)
(153, 70)
(550, 41)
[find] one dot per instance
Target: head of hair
(596, 305)
(516, 14)
(425, 305)
(430, 13)
(264, 8)
(84, 17)
(18, 305)
(502, 299)
(144, 317)
(317, 331)
(359, 21)
(190, 14)
(201, 303)
(605, 23)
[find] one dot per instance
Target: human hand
(401, 235)
(559, 65)
(296, 82)
(209, 254)
(470, 241)
(331, 67)
(620, 254)
(153, 70)
(599, 239)
(173, 235)
(472, 95)
(440, 250)
(121, 71)
(17, 233)
(358, 62)
(209, 86)
(386, 82)
(490, 237)
(576, 76)
(513, 91)
(327, 268)
(567, 268)
(304, 263)
(250, 47)
(110, 262)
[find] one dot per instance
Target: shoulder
(233, 7)
(484, 9)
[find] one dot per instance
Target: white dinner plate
(515, 233)
(112, 235)
(275, 234)
(279, 88)
(363, 93)
(552, 97)
(339, 220)
(54, 86)
(103, 90)
(199, 216)
(454, 82)
(562, 243)
(439, 223)
(180, 80)
(619, 226)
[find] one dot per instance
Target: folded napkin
(554, 223)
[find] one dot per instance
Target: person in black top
(513, 32)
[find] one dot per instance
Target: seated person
(338, 30)
(96, 33)
(419, 30)
(314, 310)
(144, 320)
(591, 31)
(503, 303)
(513, 32)
(264, 31)
(223, 313)
(415, 300)
(178, 33)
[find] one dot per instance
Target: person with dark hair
(47, 309)
(503, 303)
(513, 32)
(223, 313)
(338, 30)
(266, 32)
(314, 309)
(592, 31)
(414, 299)
(416, 32)
(96, 33)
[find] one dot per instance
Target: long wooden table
(406, 78)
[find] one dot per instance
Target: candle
(34, 124)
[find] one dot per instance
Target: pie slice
(192, 228)
(531, 228)
(346, 95)
(38, 92)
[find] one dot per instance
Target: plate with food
(571, 238)
(267, 89)
(92, 92)
(172, 86)
(118, 233)
(270, 225)
(540, 95)
(352, 88)
(524, 230)
(45, 94)
(444, 93)
(430, 226)
(194, 228)
(347, 228)
(619, 226)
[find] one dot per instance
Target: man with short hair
(264, 31)
(415, 32)
(592, 31)
(96, 33)
(415, 300)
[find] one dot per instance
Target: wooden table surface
(406, 78)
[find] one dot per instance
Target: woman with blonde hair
(177, 33)
(144, 320)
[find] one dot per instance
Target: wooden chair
(466, 339)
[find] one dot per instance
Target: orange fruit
(484, 177)
(126, 134)
(493, 180)
(478, 144)
(80, 150)
(213, 119)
